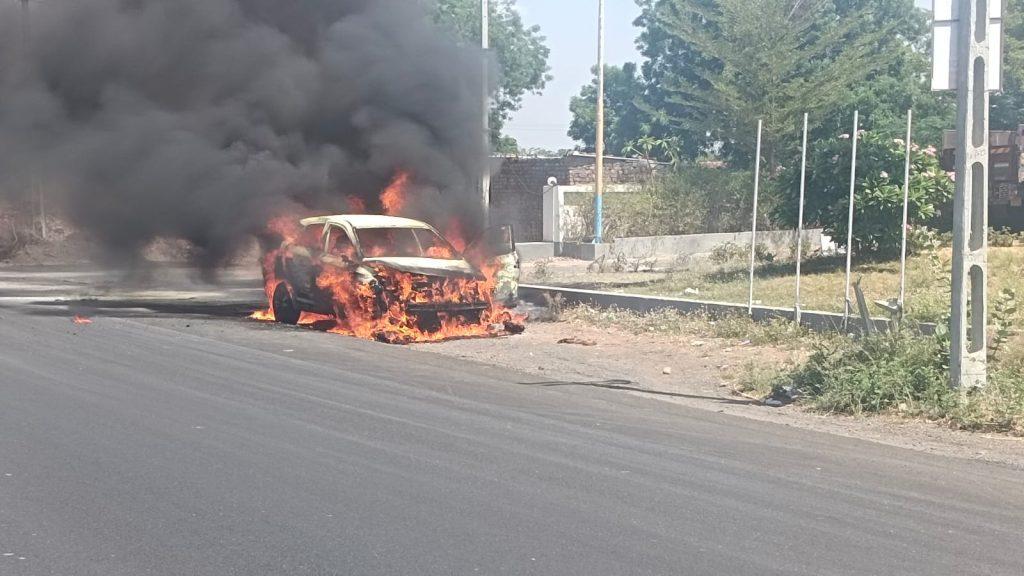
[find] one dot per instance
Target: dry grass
(823, 284)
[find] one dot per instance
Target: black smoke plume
(202, 119)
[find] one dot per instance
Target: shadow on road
(630, 386)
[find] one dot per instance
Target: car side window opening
(339, 244)
(312, 235)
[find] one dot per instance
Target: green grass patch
(907, 375)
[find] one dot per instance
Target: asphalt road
(179, 439)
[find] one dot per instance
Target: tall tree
(1008, 106)
(626, 123)
(520, 52)
(720, 65)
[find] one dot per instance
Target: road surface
(173, 437)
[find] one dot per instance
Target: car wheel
(285, 310)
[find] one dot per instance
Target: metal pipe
(800, 223)
(485, 44)
(599, 142)
(849, 231)
(753, 227)
(906, 215)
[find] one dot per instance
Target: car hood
(426, 266)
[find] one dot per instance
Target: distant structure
(517, 189)
(1006, 175)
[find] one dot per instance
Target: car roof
(362, 221)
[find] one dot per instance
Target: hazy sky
(571, 30)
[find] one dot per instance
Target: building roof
(363, 221)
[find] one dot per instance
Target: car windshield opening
(405, 243)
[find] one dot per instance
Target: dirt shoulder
(698, 372)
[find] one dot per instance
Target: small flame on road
(80, 320)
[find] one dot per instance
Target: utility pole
(599, 142)
(485, 44)
(26, 48)
(968, 359)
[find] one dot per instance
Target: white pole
(753, 227)
(849, 231)
(800, 223)
(906, 214)
(485, 43)
(26, 39)
(599, 142)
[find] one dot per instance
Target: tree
(519, 50)
(718, 66)
(1008, 106)
(625, 122)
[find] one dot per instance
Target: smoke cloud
(202, 119)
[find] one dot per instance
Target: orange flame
(394, 196)
(80, 320)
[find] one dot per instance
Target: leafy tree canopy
(625, 122)
(878, 204)
(520, 51)
(1008, 106)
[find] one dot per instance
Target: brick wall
(517, 189)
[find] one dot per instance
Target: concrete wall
(820, 321)
(778, 242)
(517, 188)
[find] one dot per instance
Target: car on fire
(354, 264)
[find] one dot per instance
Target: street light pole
(26, 47)
(599, 142)
(485, 44)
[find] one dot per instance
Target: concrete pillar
(970, 212)
(554, 202)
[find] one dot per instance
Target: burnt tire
(285, 310)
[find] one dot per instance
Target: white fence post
(849, 232)
(753, 237)
(906, 215)
(800, 223)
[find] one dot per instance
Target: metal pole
(969, 315)
(906, 215)
(485, 44)
(599, 142)
(26, 45)
(753, 227)
(800, 223)
(849, 231)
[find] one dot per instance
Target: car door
(494, 252)
(302, 262)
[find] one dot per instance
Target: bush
(692, 200)
(876, 374)
(906, 374)
(878, 213)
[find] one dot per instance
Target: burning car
(391, 279)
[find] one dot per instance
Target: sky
(571, 30)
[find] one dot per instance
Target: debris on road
(578, 341)
(80, 320)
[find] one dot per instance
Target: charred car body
(365, 269)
